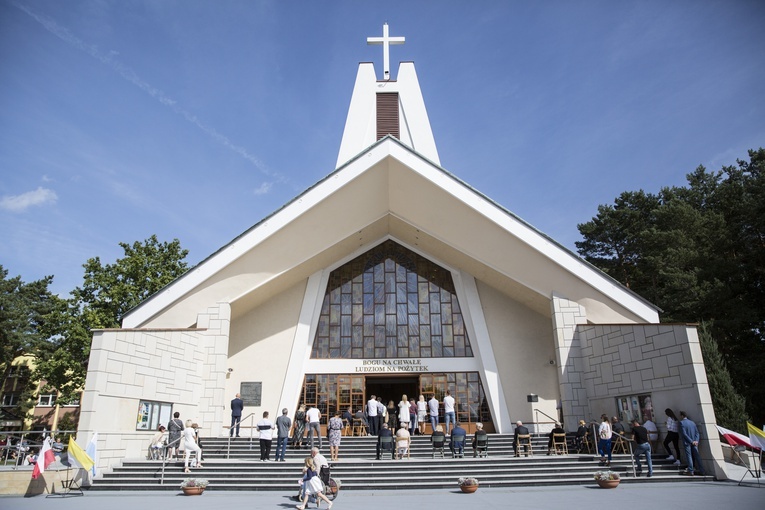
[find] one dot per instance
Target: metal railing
(20, 444)
(537, 422)
(175, 444)
(172, 445)
(251, 417)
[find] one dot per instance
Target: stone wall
(606, 361)
(186, 367)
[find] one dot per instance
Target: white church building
(391, 276)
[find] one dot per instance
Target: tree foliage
(108, 292)
(730, 409)
(25, 313)
(698, 252)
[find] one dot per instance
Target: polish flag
(43, 459)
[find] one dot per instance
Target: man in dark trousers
(384, 432)
(643, 447)
(237, 406)
(520, 430)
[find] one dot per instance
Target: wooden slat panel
(387, 115)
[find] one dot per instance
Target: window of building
(635, 407)
(151, 414)
(10, 399)
(390, 303)
(20, 371)
(46, 400)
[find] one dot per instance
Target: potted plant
(194, 486)
(468, 484)
(607, 479)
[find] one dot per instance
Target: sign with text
(250, 393)
(392, 365)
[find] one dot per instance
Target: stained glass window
(390, 303)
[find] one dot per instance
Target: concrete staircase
(358, 469)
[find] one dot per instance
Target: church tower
(387, 107)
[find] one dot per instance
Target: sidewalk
(696, 495)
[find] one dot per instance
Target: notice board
(251, 392)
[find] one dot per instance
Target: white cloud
(20, 203)
(263, 188)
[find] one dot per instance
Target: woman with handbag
(297, 433)
(334, 431)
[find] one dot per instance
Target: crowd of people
(645, 437)
(407, 418)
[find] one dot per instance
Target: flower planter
(608, 484)
(193, 491)
(468, 488)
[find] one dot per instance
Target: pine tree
(730, 410)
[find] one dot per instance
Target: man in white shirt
(313, 417)
(319, 460)
(653, 433)
(449, 414)
(372, 416)
(380, 413)
(266, 435)
(433, 410)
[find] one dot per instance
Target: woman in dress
(190, 445)
(392, 415)
(297, 434)
(335, 427)
(403, 411)
(312, 484)
(174, 431)
(422, 414)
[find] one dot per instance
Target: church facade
(391, 276)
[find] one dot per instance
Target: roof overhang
(390, 191)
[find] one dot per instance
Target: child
(312, 484)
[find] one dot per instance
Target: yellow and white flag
(756, 436)
(78, 457)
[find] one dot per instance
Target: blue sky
(196, 119)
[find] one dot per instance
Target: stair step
(242, 471)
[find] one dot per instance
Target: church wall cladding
(663, 360)
(522, 344)
(181, 367)
(259, 351)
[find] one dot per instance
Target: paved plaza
(711, 495)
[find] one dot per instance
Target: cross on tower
(386, 41)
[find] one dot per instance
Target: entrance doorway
(332, 393)
(392, 388)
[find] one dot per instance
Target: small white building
(392, 276)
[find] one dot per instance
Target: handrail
(632, 455)
(536, 419)
(21, 435)
(251, 416)
(164, 459)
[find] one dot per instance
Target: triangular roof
(389, 191)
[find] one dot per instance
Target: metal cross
(386, 41)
